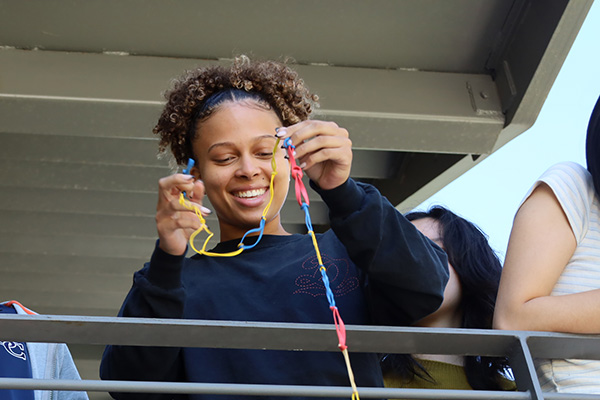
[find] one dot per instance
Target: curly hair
(273, 84)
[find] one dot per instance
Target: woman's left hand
(323, 151)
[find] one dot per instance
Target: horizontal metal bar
(251, 390)
(251, 335)
(570, 396)
(563, 346)
(288, 336)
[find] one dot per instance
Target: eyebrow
(225, 144)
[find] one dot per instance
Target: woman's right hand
(174, 222)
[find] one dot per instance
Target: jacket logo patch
(338, 272)
(15, 349)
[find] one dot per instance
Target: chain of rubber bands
(303, 201)
(302, 198)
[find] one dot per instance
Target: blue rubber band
(328, 292)
(189, 167)
(307, 219)
(187, 171)
(287, 142)
(261, 229)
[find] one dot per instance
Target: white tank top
(573, 187)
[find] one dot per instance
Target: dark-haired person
(469, 300)
(551, 276)
(226, 118)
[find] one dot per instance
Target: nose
(248, 167)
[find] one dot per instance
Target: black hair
(592, 146)
(478, 269)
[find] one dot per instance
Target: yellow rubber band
(316, 246)
(350, 374)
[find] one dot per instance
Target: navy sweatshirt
(381, 270)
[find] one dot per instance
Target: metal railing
(519, 346)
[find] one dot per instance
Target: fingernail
(205, 210)
(279, 132)
(189, 177)
(303, 165)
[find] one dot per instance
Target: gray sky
(490, 193)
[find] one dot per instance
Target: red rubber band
(340, 328)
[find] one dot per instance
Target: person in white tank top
(551, 275)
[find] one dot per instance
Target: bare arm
(540, 246)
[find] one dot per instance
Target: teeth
(251, 193)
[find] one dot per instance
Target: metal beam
(258, 335)
(524, 370)
(532, 48)
(440, 181)
(119, 96)
(436, 35)
(233, 389)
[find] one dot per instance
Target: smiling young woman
(381, 270)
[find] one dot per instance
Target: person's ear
(195, 172)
